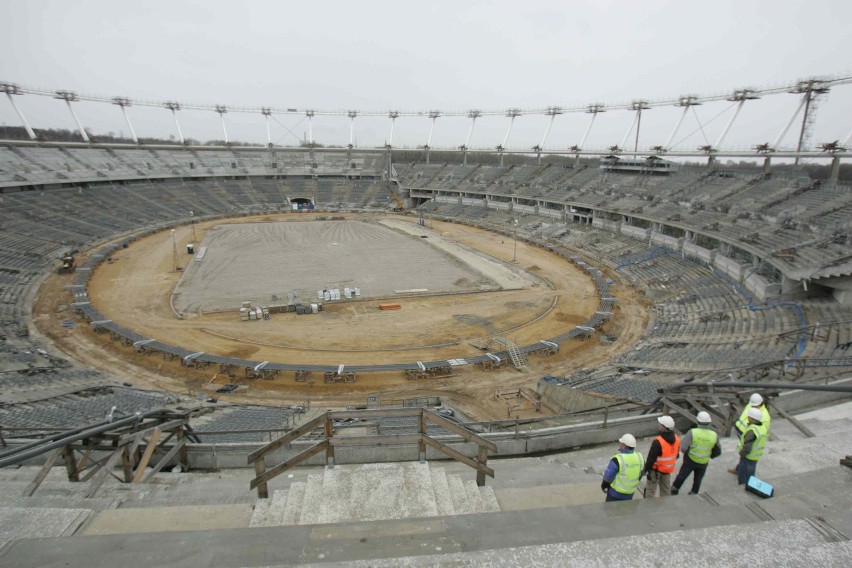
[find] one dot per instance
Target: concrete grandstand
(744, 277)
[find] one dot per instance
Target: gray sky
(427, 55)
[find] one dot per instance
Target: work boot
(675, 491)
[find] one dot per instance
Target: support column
(222, 110)
(267, 112)
(434, 116)
(686, 102)
(767, 165)
(551, 112)
(70, 97)
(393, 115)
(174, 107)
(352, 114)
(511, 113)
(638, 106)
(472, 115)
(740, 97)
(124, 103)
(835, 168)
(10, 90)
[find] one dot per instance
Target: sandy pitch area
(135, 288)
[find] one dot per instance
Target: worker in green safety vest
(699, 446)
(623, 471)
(741, 425)
(751, 445)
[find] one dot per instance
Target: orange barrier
(390, 307)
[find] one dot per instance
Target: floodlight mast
(124, 102)
(392, 115)
(69, 97)
(12, 89)
(511, 113)
(266, 112)
(174, 107)
(811, 90)
(472, 115)
(222, 110)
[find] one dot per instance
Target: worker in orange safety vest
(662, 457)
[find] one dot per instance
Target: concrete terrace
(542, 511)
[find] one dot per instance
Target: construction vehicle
(68, 264)
(400, 205)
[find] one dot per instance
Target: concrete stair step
(275, 511)
(141, 520)
(260, 513)
(489, 499)
(796, 495)
(312, 500)
(443, 499)
(778, 543)
(395, 539)
(377, 491)
(39, 522)
(459, 495)
(473, 496)
(293, 510)
(56, 502)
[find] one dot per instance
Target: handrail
(330, 442)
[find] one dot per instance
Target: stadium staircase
(550, 514)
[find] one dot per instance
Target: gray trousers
(657, 479)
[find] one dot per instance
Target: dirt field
(135, 288)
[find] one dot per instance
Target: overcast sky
(428, 55)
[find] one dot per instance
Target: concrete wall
(567, 399)
(665, 240)
(606, 224)
(760, 288)
(729, 267)
(702, 253)
(635, 232)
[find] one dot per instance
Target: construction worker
(754, 401)
(741, 425)
(662, 457)
(751, 446)
(623, 471)
(699, 446)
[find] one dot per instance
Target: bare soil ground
(135, 289)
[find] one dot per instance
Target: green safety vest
(761, 434)
(703, 441)
(630, 466)
(742, 422)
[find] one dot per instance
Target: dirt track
(135, 288)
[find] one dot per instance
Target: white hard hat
(755, 413)
(704, 417)
(628, 440)
(755, 400)
(667, 422)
